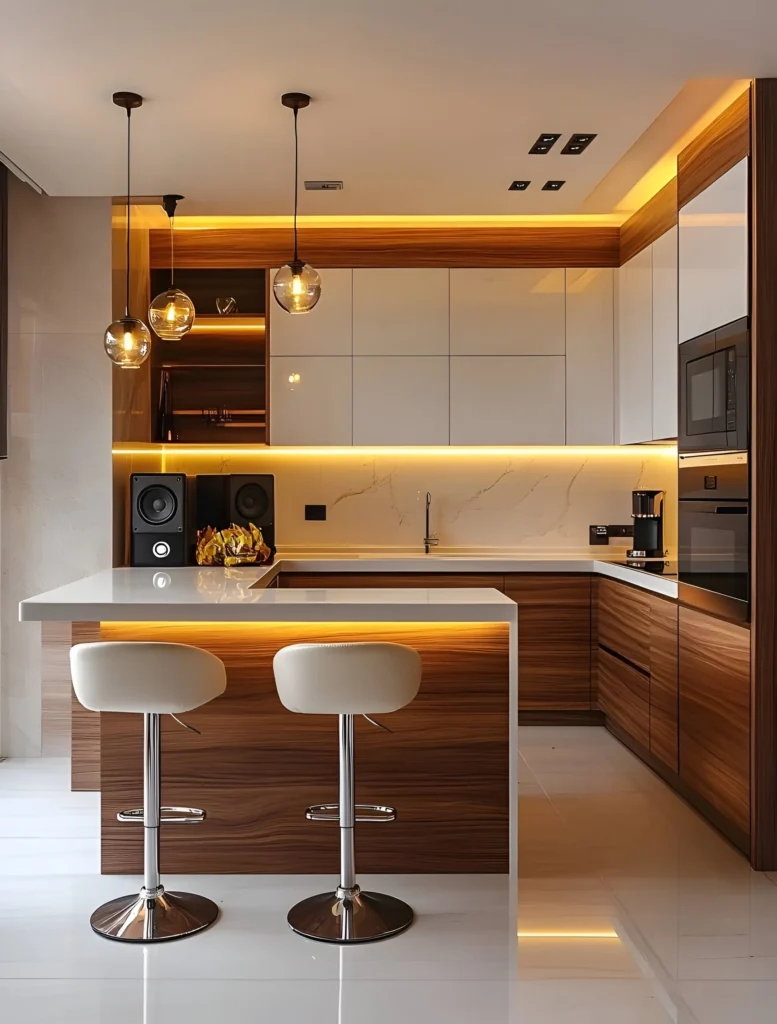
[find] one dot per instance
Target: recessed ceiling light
(545, 142)
(519, 186)
(578, 142)
(552, 186)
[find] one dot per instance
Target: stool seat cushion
(347, 679)
(145, 678)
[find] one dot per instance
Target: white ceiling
(420, 106)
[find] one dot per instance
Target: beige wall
(55, 488)
(535, 501)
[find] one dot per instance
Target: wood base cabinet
(636, 678)
(714, 659)
(554, 641)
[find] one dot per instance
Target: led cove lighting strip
(449, 450)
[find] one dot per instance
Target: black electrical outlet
(602, 534)
(317, 513)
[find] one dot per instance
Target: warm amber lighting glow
(569, 935)
(232, 324)
(665, 169)
(450, 451)
(214, 223)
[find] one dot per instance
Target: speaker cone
(157, 505)
(251, 501)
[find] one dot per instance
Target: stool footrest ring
(331, 812)
(167, 816)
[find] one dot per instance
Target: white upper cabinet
(713, 255)
(400, 312)
(310, 400)
(326, 330)
(590, 354)
(665, 336)
(513, 400)
(507, 312)
(400, 400)
(635, 349)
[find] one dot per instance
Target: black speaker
(240, 498)
(159, 532)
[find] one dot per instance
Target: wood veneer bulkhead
(715, 150)
(714, 682)
(652, 220)
(523, 246)
(257, 766)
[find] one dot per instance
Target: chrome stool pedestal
(153, 914)
(349, 915)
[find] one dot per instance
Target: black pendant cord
(172, 252)
(296, 183)
(129, 138)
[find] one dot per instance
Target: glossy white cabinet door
(665, 336)
(713, 255)
(400, 312)
(590, 356)
(310, 400)
(507, 312)
(507, 400)
(327, 330)
(634, 351)
(400, 400)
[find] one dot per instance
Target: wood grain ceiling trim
(657, 216)
(534, 246)
(715, 150)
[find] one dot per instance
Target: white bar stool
(150, 679)
(346, 680)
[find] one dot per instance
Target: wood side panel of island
(256, 766)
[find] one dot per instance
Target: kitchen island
(448, 765)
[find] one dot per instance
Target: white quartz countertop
(240, 595)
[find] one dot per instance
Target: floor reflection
(631, 910)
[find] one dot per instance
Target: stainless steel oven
(714, 534)
(714, 399)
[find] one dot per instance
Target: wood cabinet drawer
(714, 681)
(323, 580)
(554, 641)
(663, 681)
(624, 696)
(624, 621)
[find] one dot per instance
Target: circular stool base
(367, 917)
(170, 916)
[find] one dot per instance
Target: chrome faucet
(431, 540)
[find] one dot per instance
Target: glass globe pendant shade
(297, 287)
(128, 342)
(171, 314)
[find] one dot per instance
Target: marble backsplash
(488, 501)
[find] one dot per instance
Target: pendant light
(171, 314)
(297, 286)
(128, 340)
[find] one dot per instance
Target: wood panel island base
(446, 765)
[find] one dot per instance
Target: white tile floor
(631, 911)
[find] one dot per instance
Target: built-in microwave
(714, 399)
(713, 556)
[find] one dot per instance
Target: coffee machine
(647, 511)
